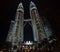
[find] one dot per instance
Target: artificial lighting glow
(28, 43)
(22, 46)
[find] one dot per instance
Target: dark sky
(47, 8)
(28, 33)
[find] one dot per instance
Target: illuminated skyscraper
(15, 34)
(38, 30)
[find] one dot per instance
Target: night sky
(48, 9)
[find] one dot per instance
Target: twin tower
(16, 34)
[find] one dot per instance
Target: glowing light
(28, 43)
(22, 46)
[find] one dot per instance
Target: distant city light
(22, 46)
(28, 43)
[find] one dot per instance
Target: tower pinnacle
(32, 5)
(20, 7)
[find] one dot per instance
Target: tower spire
(32, 5)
